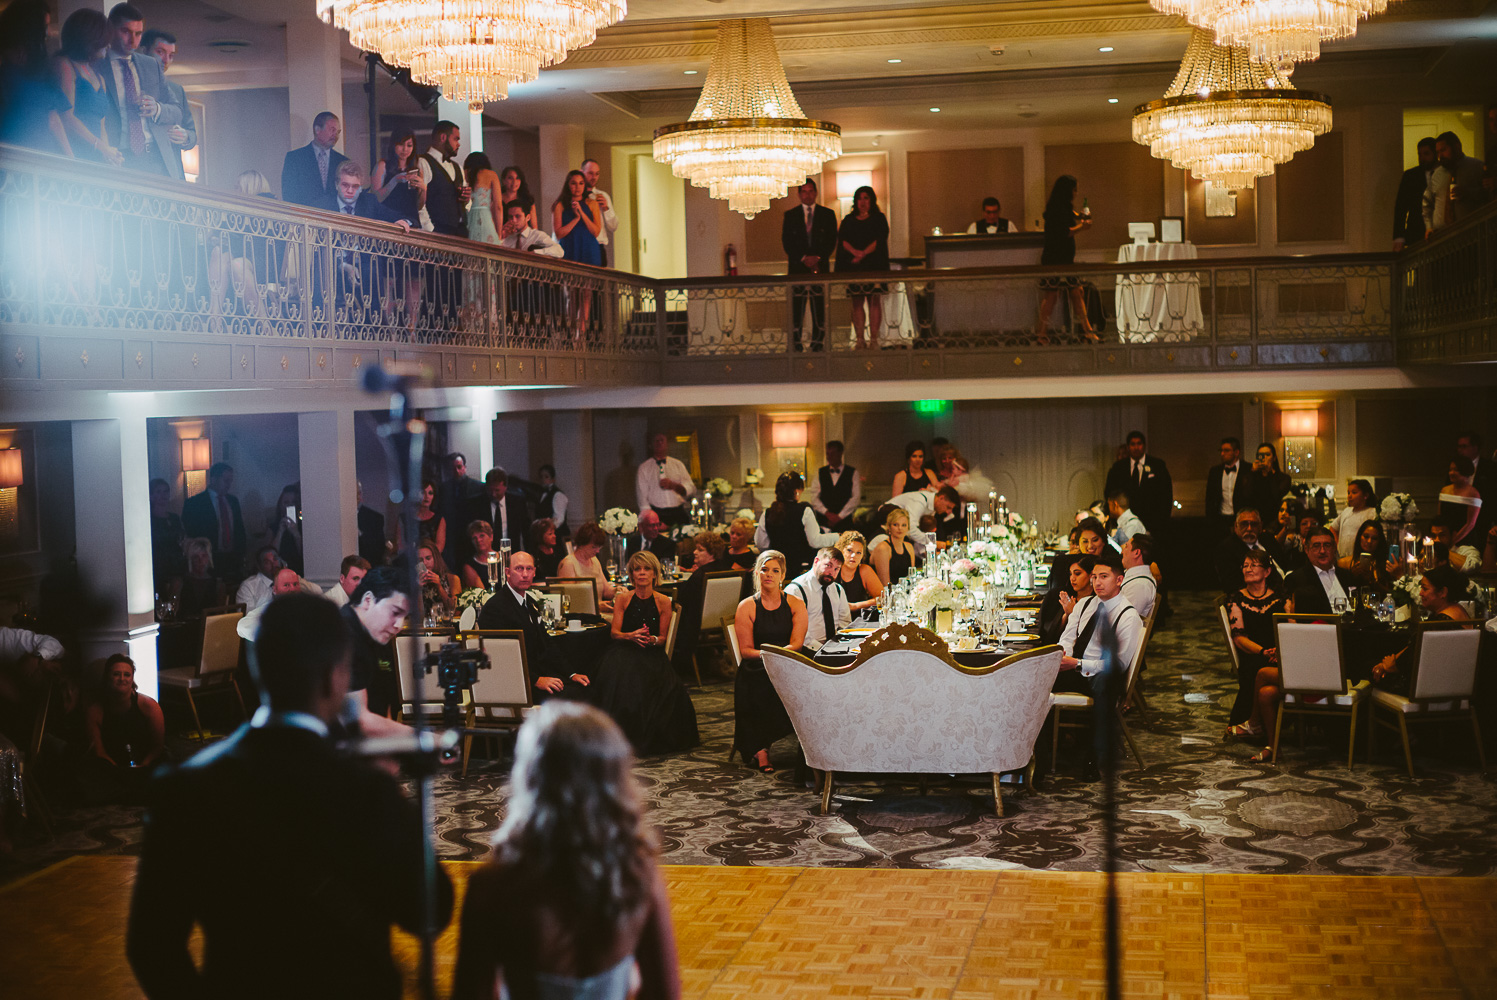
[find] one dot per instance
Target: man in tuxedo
(293, 858)
(214, 514)
(1228, 488)
(1246, 536)
(505, 512)
(1313, 588)
(1408, 207)
(1146, 480)
(184, 136)
(142, 113)
(511, 608)
(809, 236)
(992, 221)
(371, 531)
(839, 489)
(308, 174)
(447, 190)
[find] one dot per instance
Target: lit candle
(993, 502)
(1429, 552)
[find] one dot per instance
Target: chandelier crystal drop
(1227, 119)
(1275, 30)
(747, 141)
(472, 49)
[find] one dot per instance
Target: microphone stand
(1105, 709)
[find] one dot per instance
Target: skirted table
(1163, 306)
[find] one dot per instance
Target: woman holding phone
(397, 182)
(1370, 561)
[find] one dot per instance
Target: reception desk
(970, 250)
(990, 307)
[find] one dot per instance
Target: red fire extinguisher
(730, 261)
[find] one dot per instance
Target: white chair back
(720, 596)
(732, 633)
(552, 601)
(506, 683)
(1447, 663)
(1310, 658)
(220, 644)
(409, 647)
(1226, 620)
(466, 620)
(670, 632)
(582, 591)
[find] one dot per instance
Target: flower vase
(616, 552)
(941, 620)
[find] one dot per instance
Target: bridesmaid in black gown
(769, 618)
(635, 683)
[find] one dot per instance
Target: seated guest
(1368, 563)
(1139, 585)
(475, 569)
(1462, 557)
(511, 608)
(429, 524)
(255, 590)
(439, 585)
(914, 475)
(541, 542)
(941, 504)
(572, 903)
(1287, 538)
(1267, 485)
(350, 572)
(200, 588)
(858, 579)
(992, 220)
(770, 618)
(126, 732)
(636, 684)
(1250, 614)
(709, 554)
(1081, 667)
(583, 561)
(1246, 536)
(1361, 506)
(1078, 589)
(1440, 592)
(1090, 539)
(893, 556)
(652, 538)
(286, 582)
(826, 602)
(292, 858)
(706, 557)
(789, 526)
(741, 552)
(1128, 523)
(518, 234)
(1314, 588)
(1460, 503)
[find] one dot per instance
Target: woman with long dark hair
(915, 476)
(572, 903)
(397, 179)
(863, 245)
(791, 526)
(512, 188)
(1061, 222)
(31, 103)
(85, 36)
(1268, 484)
(576, 222)
(1369, 561)
(485, 210)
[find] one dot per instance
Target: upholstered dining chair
(1313, 678)
(581, 591)
(1443, 678)
(502, 694)
(217, 664)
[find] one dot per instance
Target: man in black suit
(1228, 488)
(511, 608)
(809, 236)
(356, 270)
(652, 538)
(214, 514)
(163, 45)
(293, 858)
(371, 532)
(505, 512)
(1408, 207)
(1146, 480)
(308, 174)
(457, 497)
(1247, 536)
(1314, 587)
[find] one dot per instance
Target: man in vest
(839, 489)
(447, 191)
(992, 221)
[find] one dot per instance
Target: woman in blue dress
(576, 222)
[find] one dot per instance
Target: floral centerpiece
(619, 521)
(936, 599)
(719, 488)
(962, 568)
(473, 597)
(688, 531)
(1398, 508)
(753, 477)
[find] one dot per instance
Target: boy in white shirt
(518, 235)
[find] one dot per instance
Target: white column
(329, 492)
(561, 151)
(314, 75)
(471, 122)
(111, 485)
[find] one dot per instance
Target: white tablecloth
(1158, 306)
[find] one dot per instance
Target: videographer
(293, 859)
(374, 615)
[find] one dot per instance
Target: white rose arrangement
(1398, 508)
(753, 477)
(619, 521)
(1406, 589)
(689, 531)
(965, 567)
(931, 595)
(474, 597)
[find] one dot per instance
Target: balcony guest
(809, 236)
(839, 489)
(356, 271)
(505, 511)
(1061, 222)
(992, 220)
(513, 187)
(142, 114)
(484, 206)
(310, 173)
(397, 182)
(1361, 507)
(184, 136)
(232, 261)
(1146, 480)
(662, 483)
(1228, 488)
(863, 245)
(552, 502)
(85, 39)
(519, 234)
(591, 170)
(914, 475)
(447, 189)
(31, 103)
(1456, 186)
(214, 514)
(1268, 484)
(1408, 207)
(576, 221)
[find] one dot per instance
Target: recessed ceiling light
(935, 109)
(690, 72)
(1105, 48)
(1112, 100)
(896, 60)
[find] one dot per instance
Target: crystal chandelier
(747, 141)
(1227, 119)
(472, 49)
(1275, 30)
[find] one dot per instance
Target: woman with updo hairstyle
(572, 904)
(790, 526)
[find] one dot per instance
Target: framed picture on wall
(1172, 229)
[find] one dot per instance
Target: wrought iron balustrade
(1447, 293)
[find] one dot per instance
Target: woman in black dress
(1061, 221)
(474, 571)
(635, 683)
(915, 476)
(396, 181)
(541, 542)
(1267, 485)
(770, 618)
(858, 579)
(1250, 614)
(863, 245)
(893, 556)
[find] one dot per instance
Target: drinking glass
(566, 604)
(1338, 606)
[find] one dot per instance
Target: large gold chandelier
(472, 49)
(1227, 119)
(1275, 30)
(747, 140)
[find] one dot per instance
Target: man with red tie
(809, 236)
(214, 514)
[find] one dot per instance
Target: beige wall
(948, 186)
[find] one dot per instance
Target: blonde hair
(848, 537)
(767, 556)
(896, 514)
(743, 522)
(643, 559)
(253, 183)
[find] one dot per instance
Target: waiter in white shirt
(662, 483)
(591, 169)
(825, 600)
(918, 504)
(1127, 521)
(1081, 668)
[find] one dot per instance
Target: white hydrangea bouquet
(1399, 508)
(932, 595)
(719, 487)
(982, 550)
(689, 531)
(473, 597)
(1406, 589)
(619, 521)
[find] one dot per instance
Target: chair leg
(467, 748)
(192, 704)
(1351, 737)
(924, 783)
(243, 713)
(1055, 740)
(1133, 747)
(696, 667)
(826, 793)
(997, 793)
(1278, 727)
(1408, 755)
(1371, 728)
(1029, 773)
(1481, 753)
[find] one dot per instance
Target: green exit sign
(932, 406)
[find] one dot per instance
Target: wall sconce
(789, 438)
(848, 182)
(1300, 429)
(11, 478)
(197, 456)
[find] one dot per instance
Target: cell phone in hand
(291, 513)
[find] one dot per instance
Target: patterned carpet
(1199, 805)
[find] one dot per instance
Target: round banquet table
(1158, 306)
(583, 649)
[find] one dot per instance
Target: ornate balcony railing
(1447, 294)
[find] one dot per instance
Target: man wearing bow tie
(809, 236)
(1228, 488)
(839, 489)
(511, 608)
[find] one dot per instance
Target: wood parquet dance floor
(803, 933)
